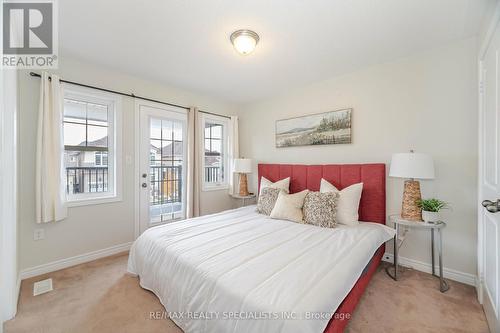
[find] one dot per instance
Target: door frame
(137, 154)
(9, 277)
(487, 306)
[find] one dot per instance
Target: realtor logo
(29, 34)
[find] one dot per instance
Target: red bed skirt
(344, 312)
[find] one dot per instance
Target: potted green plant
(430, 209)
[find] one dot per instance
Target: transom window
(89, 145)
(215, 131)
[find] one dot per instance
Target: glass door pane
(166, 169)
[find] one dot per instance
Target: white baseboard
(72, 261)
(18, 292)
(448, 273)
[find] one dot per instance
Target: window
(215, 156)
(101, 158)
(90, 145)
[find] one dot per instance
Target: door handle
(144, 185)
(491, 206)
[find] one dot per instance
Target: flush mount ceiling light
(244, 41)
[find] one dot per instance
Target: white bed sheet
(240, 271)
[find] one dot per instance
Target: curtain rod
(130, 95)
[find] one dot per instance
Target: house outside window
(215, 156)
(91, 129)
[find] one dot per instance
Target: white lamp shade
(242, 165)
(412, 165)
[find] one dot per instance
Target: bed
(240, 271)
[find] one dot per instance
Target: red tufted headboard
(372, 205)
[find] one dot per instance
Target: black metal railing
(166, 184)
(212, 174)
(87, 179)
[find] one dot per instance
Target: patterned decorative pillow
(320, 209)
(267, 200)
(283, 184)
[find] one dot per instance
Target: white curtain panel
(50, 191)
(234, 152)
(193, 164)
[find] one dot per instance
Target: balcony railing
(166, 184)
(86, 179)
(166, 181)
(212, 174)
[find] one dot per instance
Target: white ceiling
(185, 43)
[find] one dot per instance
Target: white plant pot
(430, 217)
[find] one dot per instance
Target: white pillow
(289, 206)
(283, 184)
(348, 201)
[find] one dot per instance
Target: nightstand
(243, 198)
(400, 223)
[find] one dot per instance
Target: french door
(162, 164)
(489, 187)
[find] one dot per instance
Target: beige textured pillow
(267, 200)
(289, 206)
(348, 202)
(283, 184)
(320, 209)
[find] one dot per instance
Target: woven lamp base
(410, 210)
(243, 185)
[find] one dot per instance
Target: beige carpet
(100, 297)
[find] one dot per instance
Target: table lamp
(413, 166)
(243, 166)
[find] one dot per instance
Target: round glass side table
(400, 223)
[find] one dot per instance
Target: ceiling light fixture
(244, 41)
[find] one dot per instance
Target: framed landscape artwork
(326, 128)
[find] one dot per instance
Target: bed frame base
(371, 208)
(345, 310)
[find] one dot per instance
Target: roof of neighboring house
(212, 159)
(167, 150)
(177, 149)
(102, 142)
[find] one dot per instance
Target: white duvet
(239, 271)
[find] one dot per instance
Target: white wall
(427, 102)
(91, 228)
